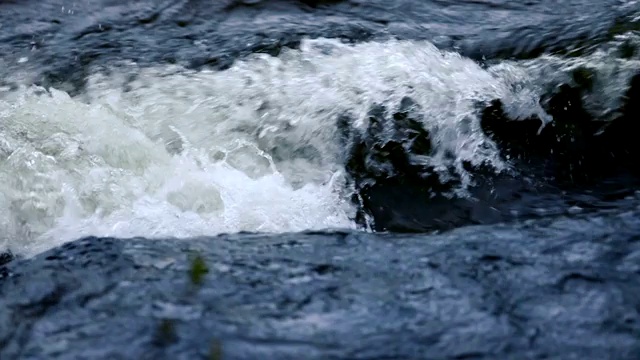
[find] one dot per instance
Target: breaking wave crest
(165, 151)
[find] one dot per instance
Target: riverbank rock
(562, 289)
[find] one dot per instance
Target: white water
(611, 74)
(252, 148)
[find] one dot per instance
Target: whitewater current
(168, 152)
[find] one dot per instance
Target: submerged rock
(6, 257)
(561, 148)
(562, 289)
(620, 136)
(390, 186)
(573, 148)
(571, 161)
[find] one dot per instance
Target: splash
(168, 152)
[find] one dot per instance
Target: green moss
(198, 270)
(165, 333)
(583, 77)
(215, 352)
(621, 27)
(627, 50)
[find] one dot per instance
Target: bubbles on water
(70, 169)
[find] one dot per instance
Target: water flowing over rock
(562, 289)
(319, 179)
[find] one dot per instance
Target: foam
(165, 151)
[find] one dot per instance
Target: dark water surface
(65, 38)
(538, 257)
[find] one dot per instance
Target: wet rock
(550, 288)
(391, 187)
(559, 149)
(516, 138)
(6, 257)
(555, 165)
(584, 78)
(396, 191)
(620, 136)
(573, 148)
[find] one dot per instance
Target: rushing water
(165, 151)
(502, 134)
(123, 144)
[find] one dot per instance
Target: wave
(268, 144)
